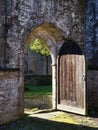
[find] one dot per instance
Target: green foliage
(40, 46)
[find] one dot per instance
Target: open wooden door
(71, 79)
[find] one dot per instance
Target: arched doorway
(71, 79)
(54, 38)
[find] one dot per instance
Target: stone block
(2, 31)
(92, 90)
(11, 96)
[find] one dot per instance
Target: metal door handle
(83, 77)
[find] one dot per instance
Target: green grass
(38, 90)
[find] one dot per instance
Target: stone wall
(91, 51)
(11, 96)
(91, 33)
(2, 33)
(25, 15)
(92, 90)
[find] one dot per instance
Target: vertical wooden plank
(74, 78)
(63, 78)
(80, 81)
(67, 68)
(60, 78)
(71, 81)
(70, 70)
(64, 64)
(83, 83)
(77, 80)
(67, 78)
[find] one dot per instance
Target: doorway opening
(38, 76)
(71, 79)
(53, 38)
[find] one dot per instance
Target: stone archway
(54, 38)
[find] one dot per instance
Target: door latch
(83, 77)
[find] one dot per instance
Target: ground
(52, 120)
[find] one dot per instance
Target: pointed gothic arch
(54, 38)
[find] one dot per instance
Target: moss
(64, 118)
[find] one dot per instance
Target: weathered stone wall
(11, 81)
(2, 32)
(92, 91)
(91, 50)
(11, 95)
(25, 15)
(91, 36)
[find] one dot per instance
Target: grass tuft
(38, 90)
